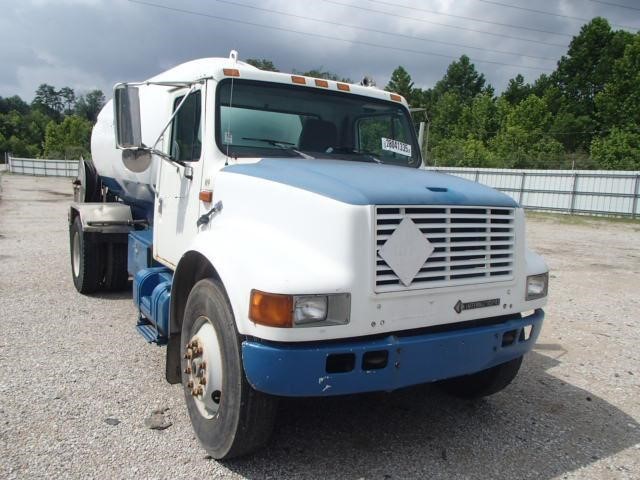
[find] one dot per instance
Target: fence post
(573, 193)
(635, 197)
(477, 175)
(9, 160)
(524, 176)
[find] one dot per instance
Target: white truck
(285, 239)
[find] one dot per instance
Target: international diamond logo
(406, 250)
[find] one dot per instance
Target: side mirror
(126, 104)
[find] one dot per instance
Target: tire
(92, 183)
(484, 383)
(242, 419)
(116, 276)
(86, 259)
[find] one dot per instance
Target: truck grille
(472, 245)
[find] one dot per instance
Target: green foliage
(463, 79)
(619, 102)
(588, 65)
(517, 90)
(57, 123)
(401, 84)
(620, 150)
(262, 64)
(68, 139)
(88, 106)
(319, 72)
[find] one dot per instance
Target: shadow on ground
(540, 427)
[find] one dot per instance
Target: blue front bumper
(293, 370)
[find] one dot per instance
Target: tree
(48, 101)
(620, 150)
(70, 138)
(262, 64)
(14, 103)
(445, 116)
(68, 99)
(479, 120)
(619, 103)
(573, 131)
(325, 74)
(588, 65)
(88, 106)
(523, 141)
(463, 79)
(516, 90)
(401, 84)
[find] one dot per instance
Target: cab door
(177, 204)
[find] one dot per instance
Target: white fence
(594, 192)
(43, 167)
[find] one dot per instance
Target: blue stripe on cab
(363, 183)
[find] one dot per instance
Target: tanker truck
(283, 238)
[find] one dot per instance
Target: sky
(88, 44)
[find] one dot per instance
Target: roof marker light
(231, 72)
(298, 79)
(396, 97)
(344, 87)
(321, 83)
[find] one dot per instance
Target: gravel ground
(77, 382)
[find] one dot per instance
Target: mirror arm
(175, 112)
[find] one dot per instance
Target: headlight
(310, 309)
(276, 310)
(537, 286)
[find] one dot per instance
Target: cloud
(89, 44)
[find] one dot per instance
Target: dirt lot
(77, 382)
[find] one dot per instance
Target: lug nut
(190, 384)
(203, 365)
(188, 354)
(187, 370)
(203, 381)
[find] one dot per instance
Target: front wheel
(484, 383)
(229, 417)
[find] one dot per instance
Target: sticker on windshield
(396, 147)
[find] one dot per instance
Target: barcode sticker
(395, 146)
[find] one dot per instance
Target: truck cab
(284, 238)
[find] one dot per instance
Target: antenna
(233, 56)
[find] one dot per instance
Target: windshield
(263, 119)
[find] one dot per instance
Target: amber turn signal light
(231, 72)
(206, 196)
(270, 309)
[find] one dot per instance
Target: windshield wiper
(280, 144)
(353, 151)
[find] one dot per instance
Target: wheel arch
(192, 267)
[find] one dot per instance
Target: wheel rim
(76, 254)
(204, 368)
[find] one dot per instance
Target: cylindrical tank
(133, 188)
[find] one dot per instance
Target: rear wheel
(86, 259)
(229, 417)
(484, 383)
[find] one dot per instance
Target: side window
(186, 137)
